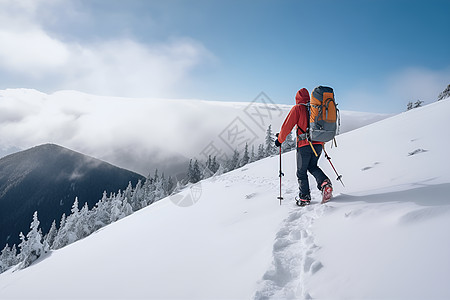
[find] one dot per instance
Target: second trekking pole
(339, 177)
(281, 174)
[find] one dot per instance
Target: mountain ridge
(47, 178)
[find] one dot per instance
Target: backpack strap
(305, 134)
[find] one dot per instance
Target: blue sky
(378, 55)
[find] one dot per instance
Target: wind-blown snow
(383, 236)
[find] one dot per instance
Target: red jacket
(297, 116)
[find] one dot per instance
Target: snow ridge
(293, 255)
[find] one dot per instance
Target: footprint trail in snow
(293, 256)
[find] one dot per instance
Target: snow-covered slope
(141, 134)
(383, 236)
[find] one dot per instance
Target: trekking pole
(281, 174)
(339, 177)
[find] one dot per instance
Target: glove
(277, 143)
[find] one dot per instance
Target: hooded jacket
(297, 116)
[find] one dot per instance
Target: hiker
(306, 158)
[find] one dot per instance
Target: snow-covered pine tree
(31, 247)
(444, 94)
(171, 184)
(233, 163)
(246, 157)
(8, 258)
(85, 224)
(270, 142)
(253, 155)
(126, 208)
(67, 233)
(189, 175)
(196, 174)
(214, 165)
(51, 235)
(418, 103)
(160, 190)
(261, 152)
(116, 207)
(100, 213)
(128, 193)
(137, 199)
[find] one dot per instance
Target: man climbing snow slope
(306, 158)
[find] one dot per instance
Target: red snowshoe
(327, 191)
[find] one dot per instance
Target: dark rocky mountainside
(47, 178)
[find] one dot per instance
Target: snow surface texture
(139, 134)
(385, 235)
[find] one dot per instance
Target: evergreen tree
(116, 207)
(270, 142)
(149, 191)
(160, 190)
(128, 193)
(246, 157)
(31, 247)
(137, 199)
(67, 233)
(170, 185)
(261, 152)
(233, 163)
(214, 165)
(126, 208)
(100, 213)
(190, 176)
(51, 235)
(418, 103)
(252, 155)
(196, 173)
(84, 225)
(444, 94)
(156, 176)
(209, 163)
(409, 106)
(8, 258)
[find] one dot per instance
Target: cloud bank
(142, 134)
(120, 66)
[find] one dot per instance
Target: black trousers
(307, 162)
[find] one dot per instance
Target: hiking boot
(303, 199)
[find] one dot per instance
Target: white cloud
(127, 68)
(32, 52)
(120, 66)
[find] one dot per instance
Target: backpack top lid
(322, 93)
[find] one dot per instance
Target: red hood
(302, 96)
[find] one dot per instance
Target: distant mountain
(47, 179)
